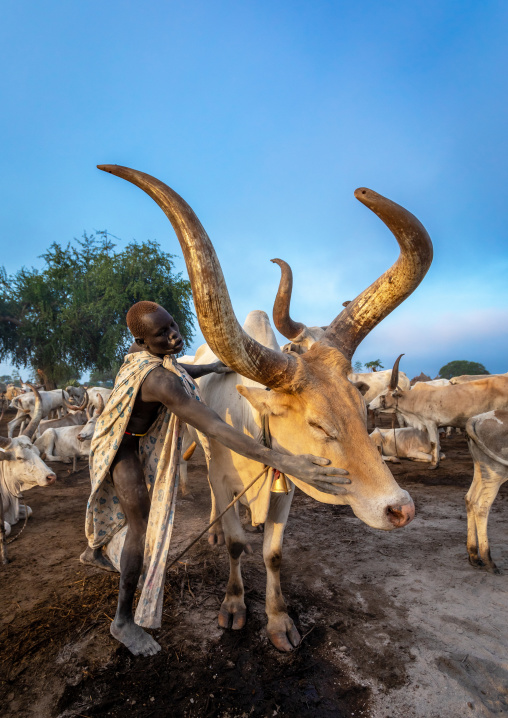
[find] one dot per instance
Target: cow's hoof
(433, 466)
(475, 561)
(286, 637)
(232, 615)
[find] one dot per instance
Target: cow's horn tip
(106, 168)
(361, 191)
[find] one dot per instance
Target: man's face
(162, 335)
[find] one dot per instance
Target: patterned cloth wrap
(159, 452)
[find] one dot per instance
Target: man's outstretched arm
(197, 370)
(166, 388)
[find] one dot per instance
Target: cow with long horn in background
(433, 407)
(312, 407)
(76, 416)
(25, 406)
(21, 468)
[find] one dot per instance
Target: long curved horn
(83, 406)
(100, 399)
(215, 314)
(5, 442)
(394, 378)
(286, 326)
(71, 407)
(34, 423)
(377, 301)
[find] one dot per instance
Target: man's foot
(138, 641)
(96, 557)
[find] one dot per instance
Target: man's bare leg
(131, 489)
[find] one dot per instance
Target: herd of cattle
(303, 396)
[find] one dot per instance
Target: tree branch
(12, 320)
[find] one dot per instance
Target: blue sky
(265, 117)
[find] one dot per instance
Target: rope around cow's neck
(23, 528)
(230, 505)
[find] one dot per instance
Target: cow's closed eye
(327, 433)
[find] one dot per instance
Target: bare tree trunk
(48, 383)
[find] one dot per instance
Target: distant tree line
(453, 368)
(69, 317)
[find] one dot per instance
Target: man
(136, 443)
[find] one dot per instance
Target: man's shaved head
(136, 315)
(154, 329)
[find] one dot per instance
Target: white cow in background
(432, 382)
(25, 405)
(21, 468)
(443, 406)
(68, 443)
(94, 393)
(465, 378)
(407, 443)
(77, 416)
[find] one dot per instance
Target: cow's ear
(362, 387)
(266, 402)
(6, 455)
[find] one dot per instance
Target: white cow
(443, 406)
(25, 405)
(68, 443)
(488, 444)
(431, 382)
(407, 443)
(465, 378)
(371, 384)
(77, 416)
(96, 394)
(21, 468)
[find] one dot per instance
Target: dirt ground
(395, 625)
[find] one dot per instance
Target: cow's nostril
(402, 514)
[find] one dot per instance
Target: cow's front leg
(215, 532)
(233, 612)
(280, 628)
(434, 444)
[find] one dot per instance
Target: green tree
(374, 365)
(70, 317)
(460, 367)
(357, 366)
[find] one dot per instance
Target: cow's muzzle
(402, 514)
(50, 479)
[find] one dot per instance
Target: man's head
(154, 329)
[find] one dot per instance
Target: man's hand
(219, 368)
(316, 471)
